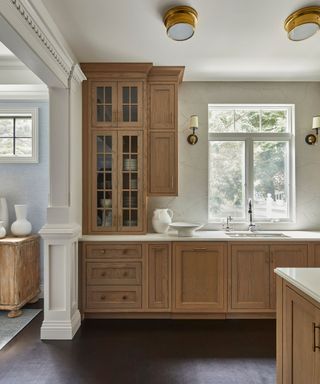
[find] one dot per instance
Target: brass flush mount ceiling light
(180, 22)
(303, 23)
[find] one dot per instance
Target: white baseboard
(60, 329)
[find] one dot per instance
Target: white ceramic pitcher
(161, 219)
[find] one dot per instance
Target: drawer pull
(124, 297)
(103, 297)
(125, 274)
(102, 251)
(103, 274)
(315, 346)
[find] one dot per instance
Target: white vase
(4, 214)
(161, 219)
(21, 227)
(3, 231)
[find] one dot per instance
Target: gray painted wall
(194, 97)
(29, 183)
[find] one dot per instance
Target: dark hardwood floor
(145, 352)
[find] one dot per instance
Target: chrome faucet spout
(251, 226)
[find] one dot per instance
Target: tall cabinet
(114, 147)
(129, 143)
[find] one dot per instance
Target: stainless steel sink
(255, 234)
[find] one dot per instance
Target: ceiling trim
(24, 92)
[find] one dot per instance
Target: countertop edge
(298, 284)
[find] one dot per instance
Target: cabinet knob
(103, 297)
(102, 251)
(124, 297)
(125, 274)
(103, 274)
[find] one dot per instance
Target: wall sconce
(312, 139)
(194, 124)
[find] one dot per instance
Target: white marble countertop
(305, 279)
(206, 236)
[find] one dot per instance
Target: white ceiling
(234, 40)
(5, 52)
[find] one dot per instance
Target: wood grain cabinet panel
(250, 277)
(162, 168)
(316, 261)
(114, 273)
(159, 276)
(162, 106)
(199, 277)
(301, 358)
(110, 298)
(285, 256)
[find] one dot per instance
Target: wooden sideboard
(19, 273)
(184, 279)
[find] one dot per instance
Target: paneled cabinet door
(103, 192)
(250, 277)
(285, 255)
(301, 337)
(159, 276)
(316, 261)
(104, 103)
(162, 164)
(199, 277)
(162, 106)
(130, 104)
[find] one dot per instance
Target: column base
(60, 330)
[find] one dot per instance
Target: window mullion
(249, 172)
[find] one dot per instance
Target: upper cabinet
(117, 104)
(129, 143)
(163, 130)
(162, 106)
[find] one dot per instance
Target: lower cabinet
(184, 278)
(298, 339)
(250, 277)
(159, 277)
(199, 271)
(251, 273)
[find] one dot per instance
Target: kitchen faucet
(252, 226)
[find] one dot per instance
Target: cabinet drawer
(121, 297)
(114, 273)
(109, 251)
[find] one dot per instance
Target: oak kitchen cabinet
(298, 336)
(199, 271)
(163, 130)
(251, 276)
(114, 148)
(129, 143)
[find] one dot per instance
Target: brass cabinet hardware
(124, 297)
(102, 251)
(103, 297)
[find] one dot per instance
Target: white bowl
(185, 229)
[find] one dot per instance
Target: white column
(60, 234)
(61, 315)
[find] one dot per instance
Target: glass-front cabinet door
(130, 100)
(130, 181)
(104, 104)
(104, 183)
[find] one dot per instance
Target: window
(19, 136)
(251, 155)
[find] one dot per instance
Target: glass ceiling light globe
(180, 22)
(303, 23)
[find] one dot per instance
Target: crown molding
(24, 92)
(77, 75)
(33, 23)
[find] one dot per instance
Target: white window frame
(249, 138)
(16, 112)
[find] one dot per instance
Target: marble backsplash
(194, 97)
